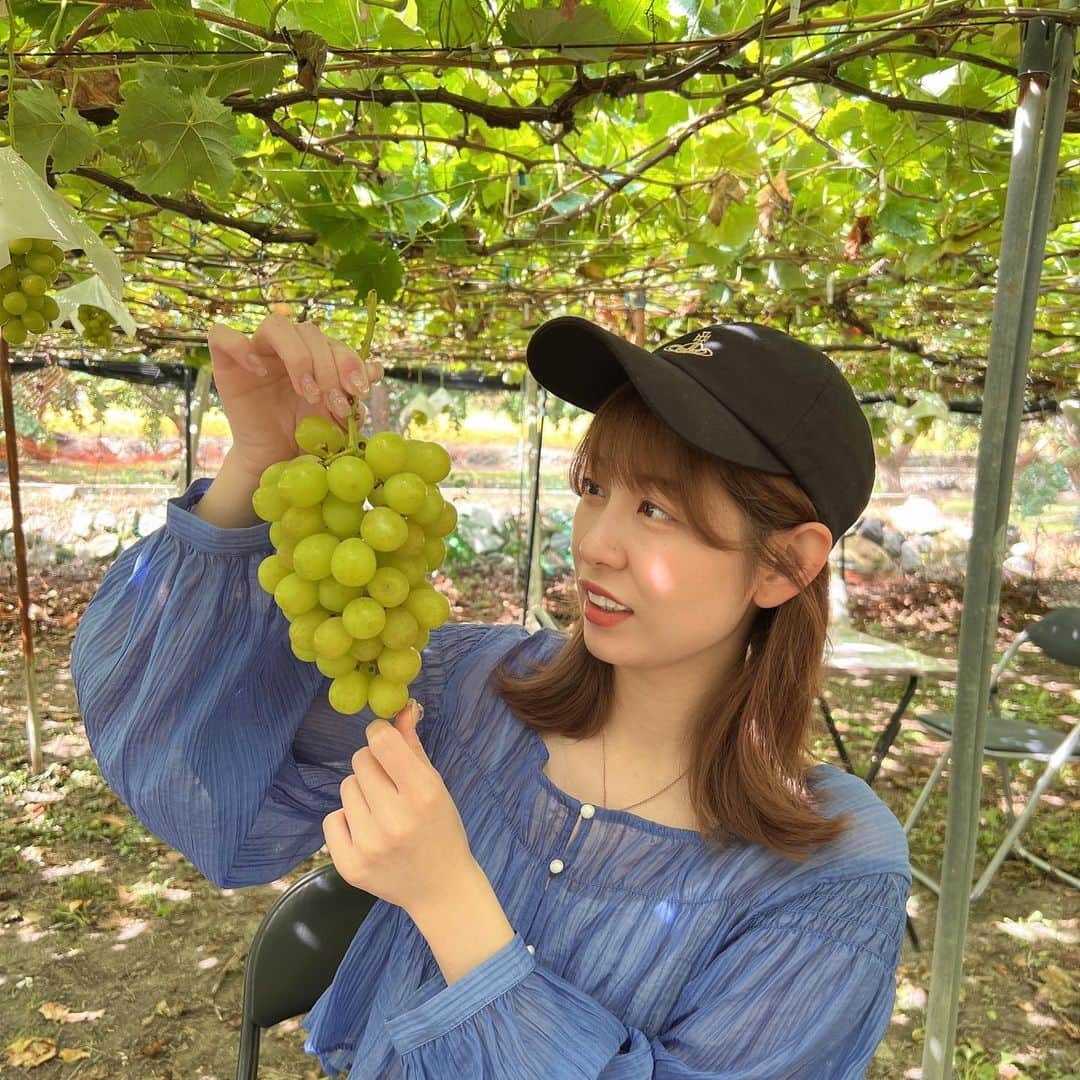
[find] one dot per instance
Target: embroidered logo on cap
(695, 347)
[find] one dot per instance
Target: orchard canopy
(835, 169)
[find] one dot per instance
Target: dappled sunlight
(82, 866)
(1036, 928)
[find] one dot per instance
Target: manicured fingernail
(309, 388)
(256, 364)
(358, 383)
(338, 402)
(419, 710)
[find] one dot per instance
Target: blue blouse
(639, 952)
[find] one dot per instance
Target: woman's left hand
(398, 834)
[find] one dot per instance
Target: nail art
(358, 383)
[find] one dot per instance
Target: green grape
(342, 518)
(385, 453)
(333, 669)
(303, 482)
(271, 572)
(22, 246)
(45, 247)
(350, 478)
(429, 607)
(44, 265)
(429, 513)
(295, 595)
(387, 698)
(285, 551)
(303, 654)
(434, 552)
(301, 521)
(414, 542)
(428, 460)
(271, 474)
(348, 694)
(334, 596)
(277, 534)
(302, 628)
(33, 285)
(312, 555)
(269, 503)
(366, 649)
(420, 644)
(320, 436)
(404, 492)
(9, 277)
(34, 321)
(331, 638)
(445, 523)
(364, 617)
(384, 529)
(401, 628)
(412, 566)
(389, 586)
(399, 665)
(15, 303)
(377, 495)
(353, 562)
(15, 333)
(50, 309)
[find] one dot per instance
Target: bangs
(630, 445)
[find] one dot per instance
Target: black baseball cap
(743, 392)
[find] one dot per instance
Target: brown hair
(750, 742)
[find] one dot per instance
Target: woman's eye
(586, 483)
(662, 511)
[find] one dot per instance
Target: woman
(601, 854)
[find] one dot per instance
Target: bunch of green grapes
(97, 324)
(25, 306)
(357, 527)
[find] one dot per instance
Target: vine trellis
(484, 165)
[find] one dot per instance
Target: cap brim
(585, 364)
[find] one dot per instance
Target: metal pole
(188, 463)
(26, 629)
(1022, 246)
(535, 406)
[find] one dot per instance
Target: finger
(394, 755)
(323, 368)
(374, 370)
(373, 780)
(231, 346)
(406, 723)
(338, 840)
(278, 340)
(352, 371)
(357, 809)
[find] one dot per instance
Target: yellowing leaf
(29, 1052)
(73, 1054)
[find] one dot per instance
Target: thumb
(406, 722)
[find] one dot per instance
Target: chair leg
(927, 791)
(1053, 767)
(247, 1065)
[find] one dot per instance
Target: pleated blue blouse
(638, 952)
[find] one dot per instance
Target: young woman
(605, 853)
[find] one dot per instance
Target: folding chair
(1007, 736)
(295, 952)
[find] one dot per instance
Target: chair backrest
(300, 944)
(1058, 635)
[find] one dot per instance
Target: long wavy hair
(750, 739)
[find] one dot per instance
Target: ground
(121, 961)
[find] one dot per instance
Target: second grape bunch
(356, 531)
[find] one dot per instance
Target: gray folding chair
(295, 952)
(1010, 737)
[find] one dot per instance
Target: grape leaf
(372, 266)
(44, 129)
(453, 22)
(188, 136)
(170, 22)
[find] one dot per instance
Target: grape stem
(365, 350)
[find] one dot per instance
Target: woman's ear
(808, 545)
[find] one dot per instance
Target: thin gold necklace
(603, 755)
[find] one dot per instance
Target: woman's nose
(599, 542)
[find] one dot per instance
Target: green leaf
(190, 136)
(44, 129)
(339, 23)
(549, 26)
(170, 22)
(372, 266)
(453, 22)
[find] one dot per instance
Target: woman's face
(690, 601)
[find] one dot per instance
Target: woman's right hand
(307, 373)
